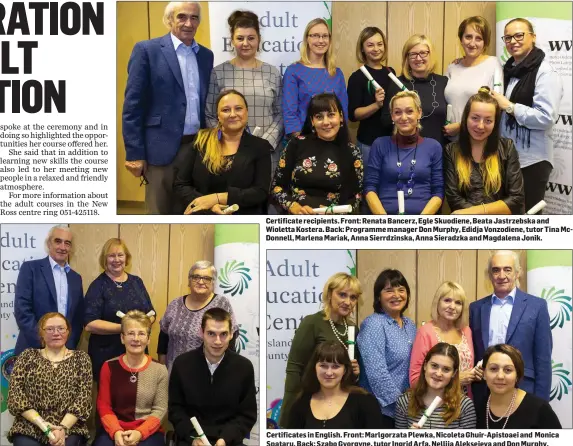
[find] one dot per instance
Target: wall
(425, 270)
(161, 256)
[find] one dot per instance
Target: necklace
(133, 377)
(506, 415)
(435, 104)
(337, 333)
(410, 183)
(56, 360)
(118, 284)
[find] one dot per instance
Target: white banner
(18, 243)
(282, 27)
(295, 279)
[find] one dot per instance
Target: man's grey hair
(516, 263)
(170, 9)
(203, 264)
(51, 234)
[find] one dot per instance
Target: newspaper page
(65, 160)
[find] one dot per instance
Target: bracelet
(484, 209)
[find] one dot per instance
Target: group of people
(488, 361)
(50, 392)
(205, 138)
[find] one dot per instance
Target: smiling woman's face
(232, 113)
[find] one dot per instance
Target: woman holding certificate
(404, 173)
(436, 401)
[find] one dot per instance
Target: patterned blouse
(262, 88)
(465, 353)
(184, 325)
(315, 173)
(52, 390)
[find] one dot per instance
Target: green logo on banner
(234, 277)
(329, 19)
(564, 313)
(351, 271)
(561, 381)
(243, 340)
(505, 56)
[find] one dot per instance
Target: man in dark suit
(49, 285)
(513, 317)
(164, 104)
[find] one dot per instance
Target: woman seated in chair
(226, 165)
(134, 413)
(50, 390)
(320, 167)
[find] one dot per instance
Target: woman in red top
(139, 388)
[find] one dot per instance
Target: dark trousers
(24, 440)
(535, 178)
(157, 439)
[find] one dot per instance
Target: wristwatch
(509, 108)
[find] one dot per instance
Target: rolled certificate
(449, 114)
(151, 313)
(120, 314)
(343, 209)
(401, 202)
(351, 339)
(428, 412)
(230, 209)
(396, 81)
(479, 364)
(44, 427)
(369, 77)
(497, 83)
(200, 433)
(535, 209)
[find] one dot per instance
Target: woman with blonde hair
(450, 323)
(473, 70)
(441, 378)
(314, 73)
(405, 163)
(419, 60)
(132, 395)
(339, 297)
(482, 171)
(226, 165)
(50, 390)
(112, 291)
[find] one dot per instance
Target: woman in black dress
(226, 165)
(320, 167)
(329, 399)
(507, 406)
(112, 291)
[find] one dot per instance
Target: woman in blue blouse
(405, 162)
(385, 343)
(112, 291)
(314, 73)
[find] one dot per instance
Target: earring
(313, 131)
(393, 123)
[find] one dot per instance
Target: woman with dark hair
(405, 163)
(314, 73)
(482, 172)
(321, 167)
(50, 390)
(533, 92)
(385, 343)
(441, 378)
(260, 83)
(340, 295)
(329, 399)
(365, 104)
(508, 406)
(226, 165)
(470, 72)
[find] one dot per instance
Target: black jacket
(248, 181)
(511, 191)
(225, 404)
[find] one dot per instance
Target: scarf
(522, 93)
(406, 140)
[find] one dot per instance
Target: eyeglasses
(134, 335)
(52, 330)
(319, 36)
(119, 255)
(422, 54)
(206, 279)
(144, 181)
(517, 36)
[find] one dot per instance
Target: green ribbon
(350, 343)
(371, 88)
(329, 208)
